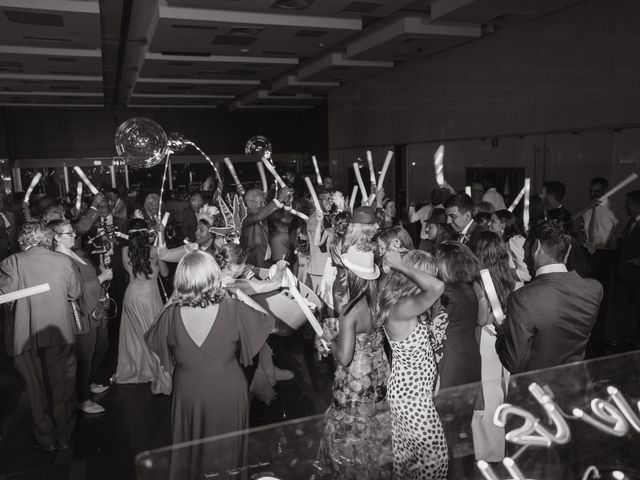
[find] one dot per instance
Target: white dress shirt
(494, 198)
(603, 228)
(552, 268)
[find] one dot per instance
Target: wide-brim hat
(438, 216)
(361, 263)
(366, 215)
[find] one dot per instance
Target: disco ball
(258, 146)
(141, 142)
(177, 142)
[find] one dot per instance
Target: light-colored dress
(142, 304)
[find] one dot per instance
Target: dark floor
(105, 445)
(136, 420)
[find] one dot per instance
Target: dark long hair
(139, 247)
(494, 256)
(456, 263)
(510, 221)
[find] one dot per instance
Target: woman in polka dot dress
(407, 296)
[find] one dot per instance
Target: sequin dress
(356, 440)
(419, 445)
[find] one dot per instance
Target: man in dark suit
(627, 290)
(189, 216)
(552, 195)
(549, 320)
(459, 210)
(40, 332)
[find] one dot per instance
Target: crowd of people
(403, 315)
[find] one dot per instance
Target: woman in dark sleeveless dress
(203, 337)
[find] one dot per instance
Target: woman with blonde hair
(409, 310)
(202, 337)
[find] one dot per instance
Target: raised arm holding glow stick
(272, 171)
(303, 303)
(34, 181)
(263, 176)
(314, 196)
(385, 167)
(363, 191)
(352, 200)
(79, 195)
(86, 181)
(317, 170)
(515, 203)
(438, 165)
(527, 197)
(372, 173)
(232, 170)
(492, 295)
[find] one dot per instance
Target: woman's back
(141, 277)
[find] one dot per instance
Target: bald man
(255, 233)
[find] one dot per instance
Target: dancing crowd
(403, 309)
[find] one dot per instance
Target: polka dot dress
(419, 446)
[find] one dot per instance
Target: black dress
(460, 362)
(210, 391)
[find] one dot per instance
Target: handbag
(162, 382)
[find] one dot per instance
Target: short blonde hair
(197, 281)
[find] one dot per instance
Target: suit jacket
(255, 235)
(45, 319)
(629, 250)
(471, 237)
(189, 224)
(548, 322)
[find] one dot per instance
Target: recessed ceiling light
(245, 50)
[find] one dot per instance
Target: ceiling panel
(178, 36)
(494, 11)
(290, 84)
(190, 88)
(48, 85)
(60, 98)
(69, 64)
(408, 37)
(336, 67)
(176, 66)
(373, 8)
(50, 23)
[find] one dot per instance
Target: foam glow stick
(467, 190)
(314, 196)
(113, 176)
(492, 295)
(317, 169)
(34, 181)
(372, 173)
(295, 212)
(363, 190)
(302, 303)
(272, 171)
(124, 236)
(527, 196)
(232, 171)
(438, 165)
(371, 198)
(24, 292)
(263, 176)
(86, 181)
(165, 218)
(126, 176)
(515, 203)
(486, 470)
(65, 170)
(385, 167)
(620, 186)
(352, 200)
(79, 195)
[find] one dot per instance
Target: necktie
(591, 242)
